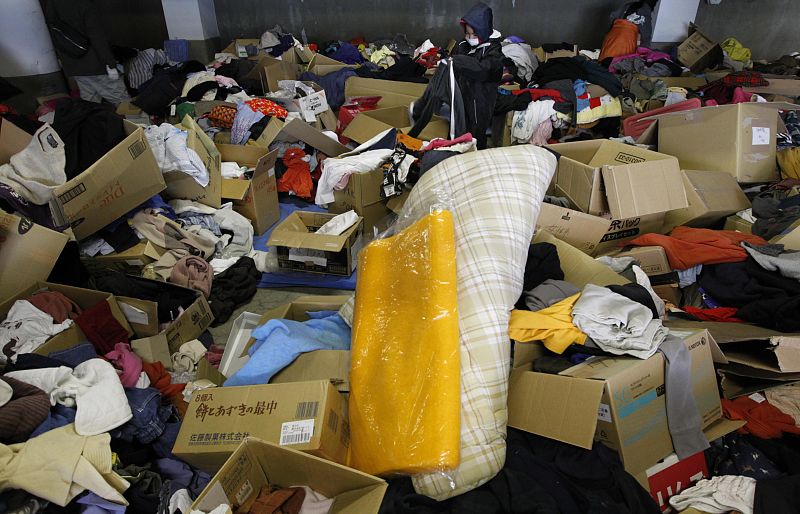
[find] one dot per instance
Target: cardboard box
(580, 269)
(271, 71)
(392, 93)
(369, 124)
(307, 416)
(738, 139)
(28, 253)
(652, 259)
(594, 235)
(237, 47)
(131, 261)
(299, 249)
(670, 293)
(299, 130)
(671, 476)
(738, 224)
(712, 195)
(362, 194)
(697, 51)
(603, 176)
(790, 239)
(257, 463)
(782, 86)
(84, 298)
(122, 179)
(182, 185)
(255, 199)
(618, 401)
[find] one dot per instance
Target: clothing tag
(604, 413)
(173, 109)
(134, 315)
(761, 136)
(308, 255)
(757, 397)
(297, 432)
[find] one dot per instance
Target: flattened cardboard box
(182, 185)
(122, 179)
(84, 298)
(28, 253)
(594, 235)
(790, 239)
(712, 195)
(257, 463)
(132, 260)
(255, 199)
(369, 124)
(738, 139)
(602, 177)
(306, 416)
(618, 401)
(299, 248)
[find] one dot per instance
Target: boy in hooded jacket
(478, 67)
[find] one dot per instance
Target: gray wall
(768, 27)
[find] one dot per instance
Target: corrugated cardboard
(670, 293)
(618, 401)
(392, 93)
(219, 419)
(369, 124)
(84, 298)
(738, 139)
(271, 71)
(299, 130)
(257, 463)
(122, 179)
(790, 239)
(580, 269)
(697, 51)
(712, 195)
(652, 259)
(182, 185)
(738, 224)
(594, 235)
(130, 261)
(28, 253)
(299, 248)
(785, 87)
(602, 177)
(237, 47)
(255, 199)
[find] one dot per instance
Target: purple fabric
(97, 505)
(245, 117)
(515, 39)
(348, 54)
(76, 355)
(647, 55)
(182, 476)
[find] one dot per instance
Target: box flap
(646, 188)
(392, 93)
(561, 408)
(580, 269)
(183, 186)
(293, 232)
(583, 231)
(299, 130)
(234, 188)
(244, 155)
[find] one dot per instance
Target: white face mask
(473, 41)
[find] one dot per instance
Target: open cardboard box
(182, 185)
(712, 195)
(28, 253)
(257, 463)
(237, 47)
(307, 416)
(697, 52)
(617, 400)
(652, 259)
(84, 298)
(299, 248)
(602, 177)
(392, 93)
(299, 130)
(122, 179)
(255, 199)
(369, 124)
(332, 365)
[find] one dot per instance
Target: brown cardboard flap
(563, 408)
(645, 189)
(333, 365)
(235, 189)
(580, 269)
(392, 93)
(294, 233)
(299, 130)
(183, 186)
(141, 314)
(12, 140)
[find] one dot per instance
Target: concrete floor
(266, 299)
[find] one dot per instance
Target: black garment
(170, 298)
(8, 90)
(773, 214)
(436, 94)
(156, 94)
(26, 361)
(508, 103)
(82, 16)
(552, 364)
(478, 72)
(69, 270)
(144, 494)
(567, 90)
(23, 122)
(542, 264)
(122, 238)
(89, 130)
(580, 67)
(133, 452)
(540, 476)
(197, 92)
(734, 454)
(638, 294)
(257, 128)
(784, 452)
(232, 288)
(777, 496)
(555, 47)
(405, 69)
(432, 158)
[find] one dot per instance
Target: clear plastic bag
(405, 379)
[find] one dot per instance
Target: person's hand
(112, 72)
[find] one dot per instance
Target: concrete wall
(768, 27)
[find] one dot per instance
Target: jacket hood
(480, 19)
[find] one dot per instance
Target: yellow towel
(405, 380)
(553, 326)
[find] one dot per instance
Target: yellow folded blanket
(553, 326)
(405, 379)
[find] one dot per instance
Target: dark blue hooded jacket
(479, 71)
